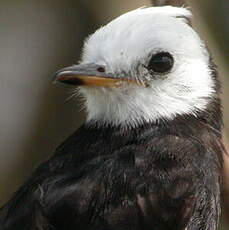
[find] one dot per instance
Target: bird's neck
(97, 139)
(133, 108)
(126, 118)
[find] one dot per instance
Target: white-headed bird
(149, 155)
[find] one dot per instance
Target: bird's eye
(161, 62)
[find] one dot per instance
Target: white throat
(132, 106)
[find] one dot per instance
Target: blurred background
(38, 38)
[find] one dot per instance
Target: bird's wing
(162, 182)
(26, 206)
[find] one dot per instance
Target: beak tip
(57, 77)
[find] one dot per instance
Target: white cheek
(185, 91)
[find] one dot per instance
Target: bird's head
(146, 65)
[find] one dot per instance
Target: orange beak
(89, 75)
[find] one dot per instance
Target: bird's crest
(176, 12)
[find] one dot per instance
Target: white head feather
(126, 45)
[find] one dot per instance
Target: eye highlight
(161, 62)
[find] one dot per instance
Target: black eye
(101, 69)
(161, 62)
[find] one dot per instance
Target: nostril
(101, 69)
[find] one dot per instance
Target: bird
(149, 154)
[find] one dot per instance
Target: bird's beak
(89, 75)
